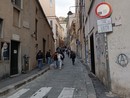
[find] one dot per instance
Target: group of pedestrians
(56, 59)
(58, 63)
(71, 54)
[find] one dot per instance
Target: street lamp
(78, 15)
(70, 13)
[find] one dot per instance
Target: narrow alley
(69, 82)
(72, 81)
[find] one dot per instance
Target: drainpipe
(107, 63)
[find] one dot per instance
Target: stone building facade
(49, 8)
(24, 30)
(108, 53)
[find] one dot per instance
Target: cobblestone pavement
(100, 90)
(72, 81)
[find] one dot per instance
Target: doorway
(92, 54)
(14, 57)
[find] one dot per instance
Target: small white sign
(15, 51)
(15, 37)
(26, 24)
(104, 25)
(104, 21)
(105, 28)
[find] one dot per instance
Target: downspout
(85, 46)
(107, 63)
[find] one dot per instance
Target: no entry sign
(103, 10)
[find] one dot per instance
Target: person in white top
(59, 56)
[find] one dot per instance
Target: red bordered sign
(103, 10)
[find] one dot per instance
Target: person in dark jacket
(73, 56)
(48, 57)
(63, 56)
(39, 58)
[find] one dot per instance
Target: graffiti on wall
(122, 60)
(100, 46)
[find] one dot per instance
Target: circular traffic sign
(103, 10)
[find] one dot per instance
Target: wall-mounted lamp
(70, 13)
(33, 34)
(36, 45)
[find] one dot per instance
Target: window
(48, 38)
(51, 3)
(36, 23)
(51, 23)
(56, 30)
(1, 24)
(18, 3)
(16, 17)
(36, 10)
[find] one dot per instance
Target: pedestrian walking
(55, 58)
(39, 58)
(48, 57)
(69, 53)
(63, 56)
(59, 56)
(73, 56)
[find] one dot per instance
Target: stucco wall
(117, 70)
(23, 33)
(48, 7)
(99, 46)
(5, 34)
(119, 47)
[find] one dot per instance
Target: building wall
(65, 31)
(6, 34)
(49, 7)
(119, 48)
(99, 65)
(78, 28)
(112, 49)
(24, 33)
(60, 31)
